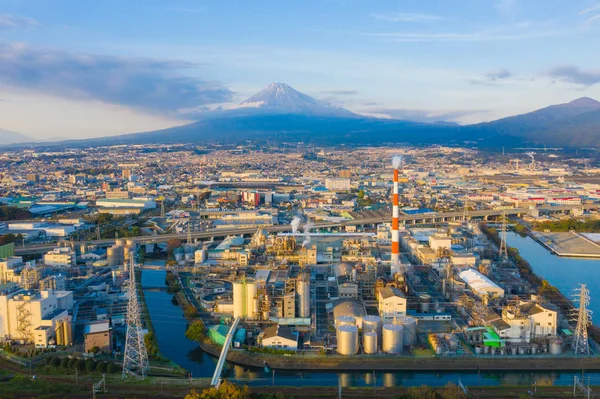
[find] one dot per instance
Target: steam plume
(396, 161)
(295, 224)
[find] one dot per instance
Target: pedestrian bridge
(216, 380)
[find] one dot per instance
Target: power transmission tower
(503, 250)
(189, 232)
(580, 341)
(135, 359)
(466, 210)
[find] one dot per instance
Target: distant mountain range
(8, 137)
(280, 113)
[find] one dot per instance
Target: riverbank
(568, 244)
(396, 363)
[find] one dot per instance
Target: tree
(48, 360)
(80, 364)
(190, 311)
(64, 363)
(104, 218)
(101, 367)
(195, 331)
(361, 194)
(55, 361)
(150, 342)
(90, 365)
(72, 363)
(225, 391)
(112, 368)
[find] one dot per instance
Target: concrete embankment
(394, 363)
(567, 244)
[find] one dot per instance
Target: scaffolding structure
(503, 250)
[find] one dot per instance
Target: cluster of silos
(64, 332)
(246, 302)
(129, 249)
(115, 255)
(442, 343)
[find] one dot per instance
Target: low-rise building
(391, 304)
(97, 335)
(279, 337)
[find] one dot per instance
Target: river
(170, 325)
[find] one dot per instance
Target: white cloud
(407, 17)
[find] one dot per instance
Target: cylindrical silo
(372, 323)
(425, 300)
(370, 342)
(555, 345)
(347, 340)
(251, 294)
(303, 295)
(392, 338)
(239, 306)
(410, 329)
(119, 242)
(345, 320)
(112, 256)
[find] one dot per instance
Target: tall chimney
(395, 225)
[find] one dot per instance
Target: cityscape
(172, 225)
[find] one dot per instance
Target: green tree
(151, 346)
(80, 364)
(101, 367)
(90, 365)
(64, 363)
(196, 331)
(72, 363)
(225, 391)
(190, 311)
(112, 368)
(55, 361)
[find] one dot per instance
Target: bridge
(425, 218)
(216, 380)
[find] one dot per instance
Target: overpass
(216, 380)
(425, 218)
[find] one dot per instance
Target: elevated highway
(425, 218)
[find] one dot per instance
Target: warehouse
(480, 284)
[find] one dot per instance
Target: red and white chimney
(395, 225)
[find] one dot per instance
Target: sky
(77, 69)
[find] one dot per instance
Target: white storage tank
(392, 338)
(347, 340)
(369, 342)
(371, 324)
(555, 345)
(345, 320)
(425, 300)
(410, 329)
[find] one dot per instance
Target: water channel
(170, 325)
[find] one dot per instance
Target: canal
(170, 325)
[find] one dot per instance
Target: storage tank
(425, 300)
(239, 338)
(555, 345)
(410, 329)
(244, 295)
(113, 256)
(392, 338)
(239, 306)
(119, 242)
(303, 296)
(372, 323)
(369, 342)
(347, 340)
(345, 320)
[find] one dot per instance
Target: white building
(480, 284)
(21, 314)
(440, 241)
(142, 203)
(391, 304)
(280, 337)
(60, 257)
(337, 184)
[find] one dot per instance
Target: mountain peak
(586, 102)
(281, 98)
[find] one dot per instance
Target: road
(435, 217)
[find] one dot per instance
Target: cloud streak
(340, 92)
(591, 9)
(13, 22)
(572, 74)
(146, 84)
(406, 17)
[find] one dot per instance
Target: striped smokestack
(395, 225)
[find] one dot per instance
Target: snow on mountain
(282, 99)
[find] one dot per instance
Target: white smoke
(295, 224)
(307, 226)
(396, 161)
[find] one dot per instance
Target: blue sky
(95, 68)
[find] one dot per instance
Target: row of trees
(584, 226)
(89, 365)
(13, 213)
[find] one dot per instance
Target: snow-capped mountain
(279, 98)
